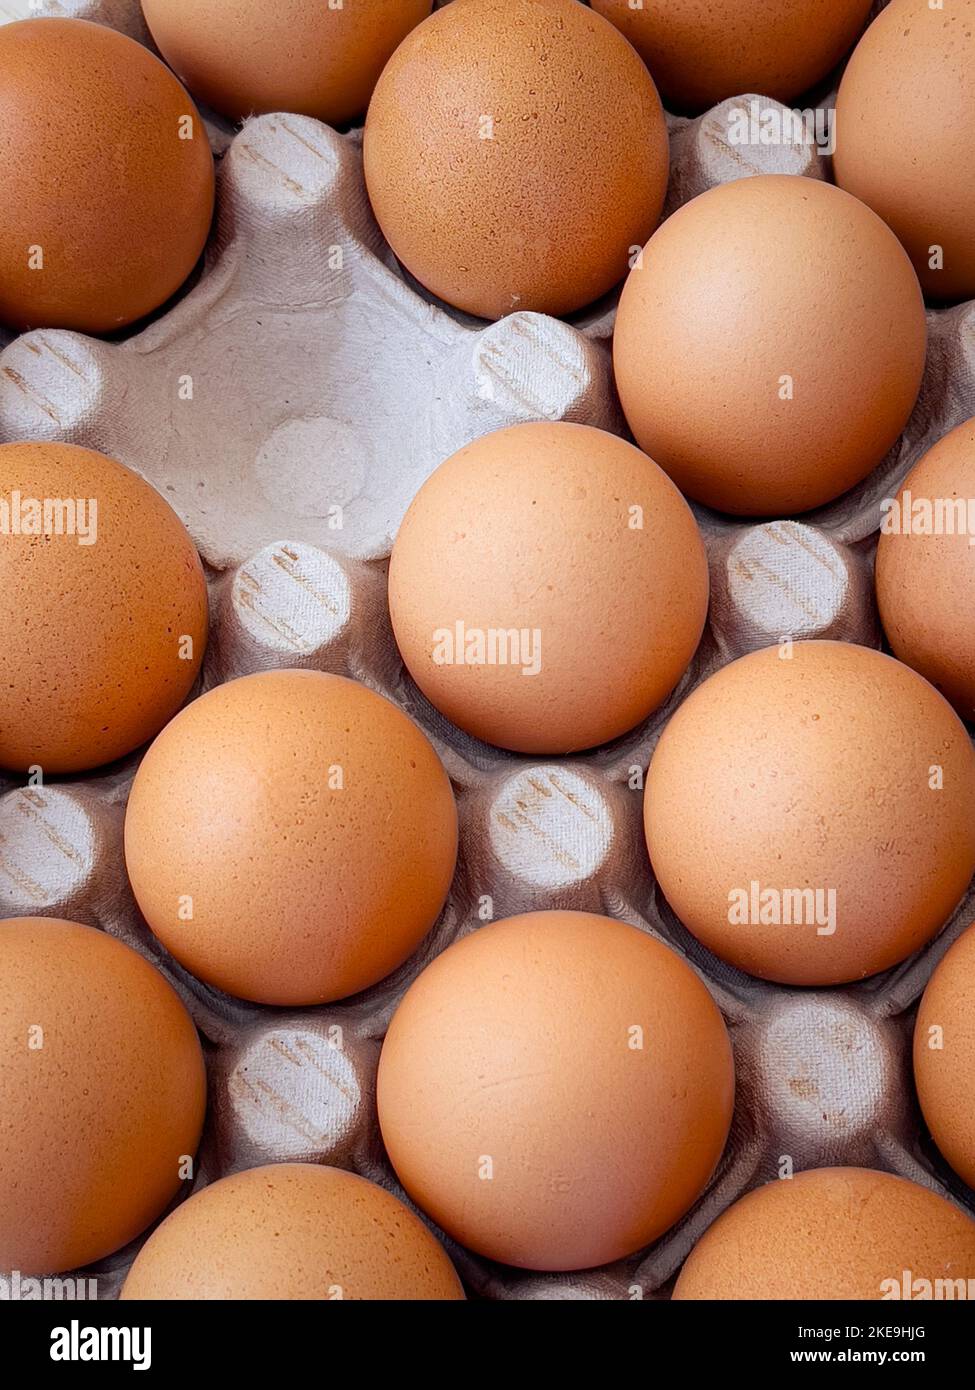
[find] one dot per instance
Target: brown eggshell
(770, 344)
(102, 1094)
(556, 1090)
(102, 642)
(247, 56)
(905, 128)
(107, 178)
(292, 1231)
(926, 580)
(944, 1056)
(814, 769)
(290, 837)
(831, 1233)
(516, 155)
(701, 51)
(574, 537)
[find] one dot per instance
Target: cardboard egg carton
(289, 405)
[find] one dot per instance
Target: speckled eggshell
(102, 1094)
(701, 51)
(556, 1089)
(573, 537)
(516, 155)
(292, 1231)
(244, 57)
(814, 769)
(106, 203)
(831, 1233)
(905, 129)
(926, 581)
(290, 837)
(944, 1056)
(770, 344)
(102, 642)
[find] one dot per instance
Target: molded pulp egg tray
(325, 385)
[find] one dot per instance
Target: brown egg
(292, 1231)
(556, 1090)
(944, 1056)
(107, 178)
(548, 587)
(769, 346)
(701, 51)
(290, 837)
(833, 1233)
(246, 56)
(808, 812)
(926, 568)
(102, 1093)
(516, 155)
(103, 608)
(905, 127)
